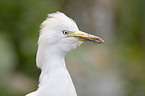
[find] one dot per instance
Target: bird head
(62, 32)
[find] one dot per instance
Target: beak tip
(100, 41)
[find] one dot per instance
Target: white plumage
(58, 35)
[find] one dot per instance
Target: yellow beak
(86, 37)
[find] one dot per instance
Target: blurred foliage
(19, 31)
(130, 29)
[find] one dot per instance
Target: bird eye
(65, 32)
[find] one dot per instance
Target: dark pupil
(65, 32)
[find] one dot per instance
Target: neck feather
(50, 59)
(53, 71)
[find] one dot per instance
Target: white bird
(58, 35)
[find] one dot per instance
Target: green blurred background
(115, 68)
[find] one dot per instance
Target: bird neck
(49, 59)
(47, 55)
(54, 74)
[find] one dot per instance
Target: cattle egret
(58, 35)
